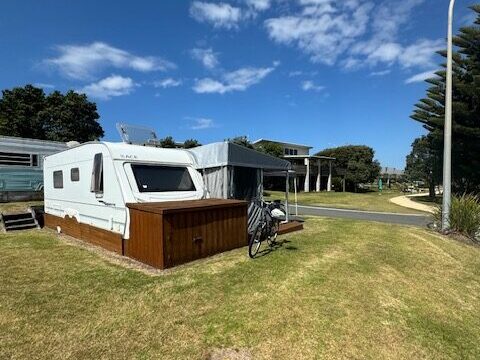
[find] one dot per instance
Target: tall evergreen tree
(430, 111)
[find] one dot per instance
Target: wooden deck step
(290, 227)
(18, 221)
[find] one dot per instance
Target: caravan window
(74, 174)
(18, 159)
(155, 178)
(58, 179)
(96, 185)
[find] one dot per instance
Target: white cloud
(202, 123)
(324, 30)
(44, 86)
(295, 73)
(114, 85)
(420, 53)
(390, 15)
(84, 61)
(166, 83)
(259, 5)
(309, 85)
(421, 77)
(381, 72)
(353, 33)
(207, 57)
(220, 15)
(238, 80)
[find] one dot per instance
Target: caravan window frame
(75, 174)
(97, 181)
(141, 189)
(58, 179)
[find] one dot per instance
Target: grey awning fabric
(230, 154)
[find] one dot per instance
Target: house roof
(319, 157)
(281, 142)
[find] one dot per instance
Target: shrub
(464, 215)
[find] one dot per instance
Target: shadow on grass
(267, 249)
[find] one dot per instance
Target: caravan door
(105, 187)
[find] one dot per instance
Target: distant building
(315, 172)
(21, 167)
(392, 171)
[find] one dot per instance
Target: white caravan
(93, 182)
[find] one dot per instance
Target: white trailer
(93, 182)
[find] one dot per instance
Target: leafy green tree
(430, 111)
(271, 148)
(70, 117)
(358, 162)
(241, 140)
(168, 142)
(424, 163)
(191, 143)
(27, 112)
(19, 112)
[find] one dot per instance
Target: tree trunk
(431, 189)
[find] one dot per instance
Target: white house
(310, 169)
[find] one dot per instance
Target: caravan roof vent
(138, 135)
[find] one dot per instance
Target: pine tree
(430, 111)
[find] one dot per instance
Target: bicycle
(264, 219)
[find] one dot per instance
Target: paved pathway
(386, 217)
(406, 201)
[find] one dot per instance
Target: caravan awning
(227, 153)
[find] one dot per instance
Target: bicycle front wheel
(255, 241)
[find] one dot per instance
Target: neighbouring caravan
(93, 182)
(21, 166)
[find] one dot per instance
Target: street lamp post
(447, 131)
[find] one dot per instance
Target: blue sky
(319, 72)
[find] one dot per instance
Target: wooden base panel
(91, 234)
(167, 234)
(290, 227)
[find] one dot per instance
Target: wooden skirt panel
(191, 236)
(146, 238)
(96, 236)
(164, 240)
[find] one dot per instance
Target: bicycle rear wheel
(255, 241)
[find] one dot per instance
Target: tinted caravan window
(155, 178)
(58, 179)
(74, 174)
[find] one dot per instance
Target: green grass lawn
(360, 201)
(339, 289)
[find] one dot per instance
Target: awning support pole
(295, 189)
(287, 182)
